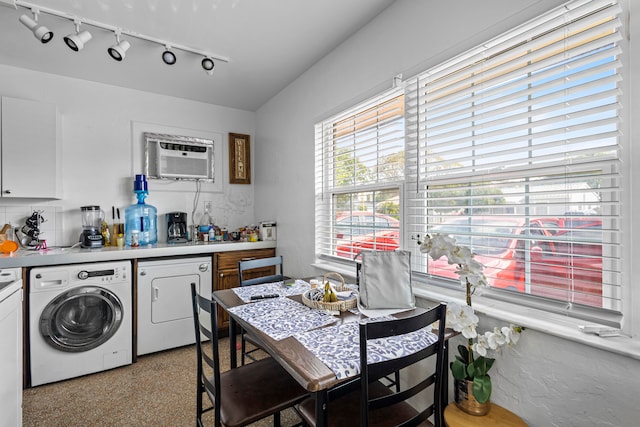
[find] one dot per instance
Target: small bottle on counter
(212, 233)
(106, 234)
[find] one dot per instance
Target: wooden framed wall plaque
(239, 159)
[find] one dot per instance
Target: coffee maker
(91, 236)
(176, 227)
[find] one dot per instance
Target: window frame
(445, 74)
(325, 208)
(548, 315)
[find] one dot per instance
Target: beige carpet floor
(158, 390)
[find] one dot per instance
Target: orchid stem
(470, 343)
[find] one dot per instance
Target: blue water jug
(141, 217)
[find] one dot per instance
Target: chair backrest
(375, 371)
(276, 262)
(205, 315)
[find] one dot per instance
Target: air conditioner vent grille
(179, 157)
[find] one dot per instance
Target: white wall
(100, 159)
(547, 380)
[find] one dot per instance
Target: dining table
(298, 336)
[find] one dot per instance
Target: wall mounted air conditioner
(178, 157)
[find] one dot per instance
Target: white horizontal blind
(359, 162)
(513, 148)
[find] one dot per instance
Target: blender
(91, 236)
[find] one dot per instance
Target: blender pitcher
(92, 217)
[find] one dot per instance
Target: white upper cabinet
(29, 149)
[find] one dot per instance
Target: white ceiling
(269, 43)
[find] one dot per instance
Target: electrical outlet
(207, 206)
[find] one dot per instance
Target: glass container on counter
(141, 218)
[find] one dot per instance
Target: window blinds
(524, 131)
(359, 155)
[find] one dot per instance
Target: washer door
(81, 319)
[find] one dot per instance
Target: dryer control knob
(84, 274)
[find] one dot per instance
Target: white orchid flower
(495, 339)
(511, 334)
(441, 246)
(481, 345)
(425, 247)
(453, 315)
(469, 331)
(478, 281)
(474, 266)
(462, 319)
(460, 255)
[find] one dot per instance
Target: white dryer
(165, 308)
(80, 320)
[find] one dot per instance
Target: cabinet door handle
(248, 258)
(7, 191)
(221, 274)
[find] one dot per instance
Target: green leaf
(489, 363)
(464, 352)
(472, 370)
(482, 388)
(482, 365)
(458, 370)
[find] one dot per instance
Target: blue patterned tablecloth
(338, 346)
(280, 288)
(281, 317)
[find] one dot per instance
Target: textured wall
(100, 157)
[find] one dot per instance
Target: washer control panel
(62, 276)
(102, 273)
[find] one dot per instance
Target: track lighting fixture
(207, 64)
(168, 57)
(76, 41)
(117, 51)
(40, 32)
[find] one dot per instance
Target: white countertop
(58, 256)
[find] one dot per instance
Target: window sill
(548, 323)
(538, 320)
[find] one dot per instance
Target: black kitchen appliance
(92, 218)
(176, 227)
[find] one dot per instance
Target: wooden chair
(261, 263)
(247, 278)
(368, 402)
(242, 395)
(390, 381)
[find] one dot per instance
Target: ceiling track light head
(40, 32)
(168, 57)
(208, 64)
(77, 41)
(118, 50)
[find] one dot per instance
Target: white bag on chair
(385, 280)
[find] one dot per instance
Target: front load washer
(79, 320)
